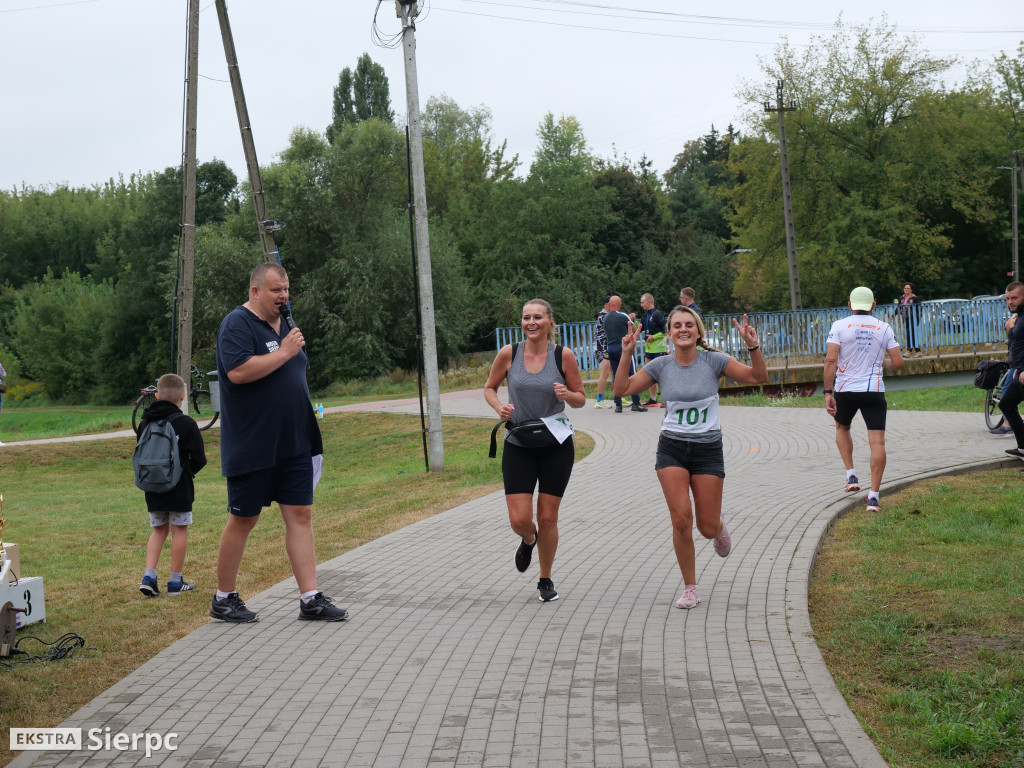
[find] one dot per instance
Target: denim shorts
(174, 518)
(695, 458)
(290, 483)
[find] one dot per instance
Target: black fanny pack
(529, 434)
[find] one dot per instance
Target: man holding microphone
(269, 436)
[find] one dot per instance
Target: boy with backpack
(167, 456)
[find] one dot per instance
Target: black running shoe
(525, 553)
(547, 591)
(321, 608)
(148, 587)
(637, 408)
(618, 409)
(1016, 453)
(232, 609)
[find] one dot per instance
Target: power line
(740, 21)
(52, 5)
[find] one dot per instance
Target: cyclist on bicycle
(1014, 393)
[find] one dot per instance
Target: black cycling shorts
(870, 404)
(546, 469)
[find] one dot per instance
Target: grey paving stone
(431, 671)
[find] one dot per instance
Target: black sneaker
(232, 609)
(148, 587)
(525, 553)
(651, 402)
(638, 408)
(618, 408)
(547, 591)
(321, 608)
(1016, 453)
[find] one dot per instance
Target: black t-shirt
(616, 325)
(1016, 357)
(267, 420)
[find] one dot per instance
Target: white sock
(873, 495)
(850, 473)
(221, 595)
(307, 596)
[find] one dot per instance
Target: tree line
(894, 177)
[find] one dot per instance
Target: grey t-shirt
(690, 394)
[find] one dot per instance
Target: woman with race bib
(690, 457)
(540, 455)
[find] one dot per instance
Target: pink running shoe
(689, 598)
(723, 541)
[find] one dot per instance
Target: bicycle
(994, 418)
(201, 405)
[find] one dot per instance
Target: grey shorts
(174, 518)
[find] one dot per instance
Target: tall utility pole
(188, 199)
(265, 226)
(407, 11)
(787, 198)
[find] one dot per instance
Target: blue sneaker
(177, 587)
(852, 484)
(148, 587)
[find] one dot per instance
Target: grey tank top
(533, 394)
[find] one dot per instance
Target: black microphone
(286, 315)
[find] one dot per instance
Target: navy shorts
(695, 458)
(546, 469)
(290, 482)
(871, 405)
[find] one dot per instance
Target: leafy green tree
(360, 96)
(639, 220)
(462, 167)
(54, 333)
(885, 166)
(697, 182)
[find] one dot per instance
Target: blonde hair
(170, 387)
(548, 312)
(702, 331)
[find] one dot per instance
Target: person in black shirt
(1015, 391)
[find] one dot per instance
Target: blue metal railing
(955, 323)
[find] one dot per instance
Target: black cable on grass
(62, 648)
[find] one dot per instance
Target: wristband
(753, 349)
(828, 392)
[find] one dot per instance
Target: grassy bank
(82, 524)
(919, 613)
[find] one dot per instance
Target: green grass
(964, 399)
(919, 613)
(81, 524)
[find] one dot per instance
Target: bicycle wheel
(993, 416)
(202, 409)
(141, 404)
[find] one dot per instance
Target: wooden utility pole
(787, 199)
(266, 226)
(407, 11)
(188, 201)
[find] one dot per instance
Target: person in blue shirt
(1014, 394)
(269, 436)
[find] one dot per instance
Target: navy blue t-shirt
(269, 419)
(1016, 356)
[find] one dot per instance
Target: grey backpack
(157, 461)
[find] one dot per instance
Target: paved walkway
(450, 660)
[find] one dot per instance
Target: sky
(95, 88)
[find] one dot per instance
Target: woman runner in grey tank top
(536, 390)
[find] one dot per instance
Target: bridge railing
(957, 323)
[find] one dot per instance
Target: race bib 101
(691, 418)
